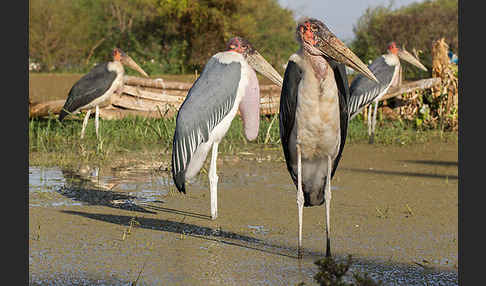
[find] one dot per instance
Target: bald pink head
(392, 48)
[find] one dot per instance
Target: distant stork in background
(314, 114)
(227, 82)
(364, 91)
(97, 86)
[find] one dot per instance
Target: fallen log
(165, 97)
(155, 83)
(411, 86)
(160, 83)
(151, 97)
(40, 109)
(142, 104)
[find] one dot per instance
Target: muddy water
(394, 209)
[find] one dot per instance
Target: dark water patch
(433, 162)
(400, 173)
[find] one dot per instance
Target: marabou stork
(387, 69)
(227, 82)
(314, 114)
(97, 86)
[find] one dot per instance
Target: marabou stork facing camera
(227, 83)
(314, 114)
(97, 86)
(386, 68)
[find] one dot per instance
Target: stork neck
(318, 63)
(391, 59)
(116, 66)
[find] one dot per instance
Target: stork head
(405, 55)
(392, 48)
(254, 59)
(316, 39)
(120, 56)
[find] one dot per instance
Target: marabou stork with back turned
(314, 114)
(227, 83)
(97, 86)
(386, 68)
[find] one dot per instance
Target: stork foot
(300, 253)
(372, 139)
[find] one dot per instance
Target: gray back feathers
(363, 90)
(208, 101)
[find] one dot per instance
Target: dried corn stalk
(447, 92)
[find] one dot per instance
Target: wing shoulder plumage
(92, 85)
(288, 105)
(208, 101)
(363, 91)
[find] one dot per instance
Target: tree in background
(165, 36)
(59, 33)
(415, 26)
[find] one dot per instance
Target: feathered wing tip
(179, 182)
(179, 178)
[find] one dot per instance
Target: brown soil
(394, 209)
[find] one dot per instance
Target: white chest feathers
(317, 113)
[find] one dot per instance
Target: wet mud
(394, 209)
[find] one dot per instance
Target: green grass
(51, 141)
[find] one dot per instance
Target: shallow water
(99, 225)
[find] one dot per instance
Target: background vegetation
(178, 36)
(164, 36)
(415, 26)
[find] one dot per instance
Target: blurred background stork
(366, 92)
(96, 87)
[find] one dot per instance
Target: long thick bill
(132, 64)
(259, 63)
(332, 47)
(406, 56)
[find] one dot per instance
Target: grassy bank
(52, 142)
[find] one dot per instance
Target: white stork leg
(373, 123)
(300, 199)
(97, 116)
(213, 182)
(327, 197)
(85, 122)
(369, 119)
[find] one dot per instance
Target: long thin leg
(85, 122)
(300, 199)
(369, 119)
(327, 197)
(97, 116)
(373, 124)
(213, 182)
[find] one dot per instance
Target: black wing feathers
(288, 104)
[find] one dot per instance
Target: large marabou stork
(314, 114)
(97, 86)
(386, 68)
(227, 82)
